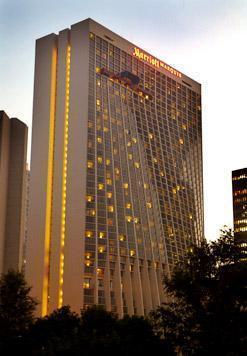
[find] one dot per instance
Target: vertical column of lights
(121, 160)
(148, 214)
(168, 127)
(64, 181)
(164, 178)
(45, 293)
(174, 154)
(188, 170)
(120, 301)
(131, 184)
(191, 166)
(199, 168)
(180, 155)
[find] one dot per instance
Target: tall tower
(13, 155)
(116, 194)
(239, 192)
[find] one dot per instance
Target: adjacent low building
(13, 151)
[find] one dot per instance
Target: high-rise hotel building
(116, 194)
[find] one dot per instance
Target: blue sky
(204, 39)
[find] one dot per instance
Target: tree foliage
(206, 312)
(16, 309)
(95, 331)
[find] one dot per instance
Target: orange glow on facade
(64, 186)
(45, 294)
(154, 61)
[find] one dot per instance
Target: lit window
(86, 283)
(150, 136)
(128, 218)
(128, 206)
(155, 160)
(181, 141)
(109, 195)
(136, 220)
(110, 208)
(145, 185)
(130, 156)
(101, 235)
(100, 186)
(121, 237)
(106, 129)
(90, 212)
(99, 271)
(97, 69)
(162, 173)
(174, 190)
(97, 102)
(109, 181)
(88, 263)
(91, 35)
(128, 144)
(134, 140)
(100, 160)
(89, 233)
(125, 185)
(98, 83)
(108, 161)
(89, 164)
(89, 198)
(87, 255)
(99, 139)
(132, 253)
(170, 231)
(184, 127)
(101, 249)
(190, 216)
(137, 164)
(117, 171)
(149, 205)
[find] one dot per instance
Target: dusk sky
(204, 39)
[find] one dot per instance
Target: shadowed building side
(13, 151)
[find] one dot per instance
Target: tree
(137, 337)
(16, 308)
(98, 334)
(206, 313)
(55, 334)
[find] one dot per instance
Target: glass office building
(116, 195)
